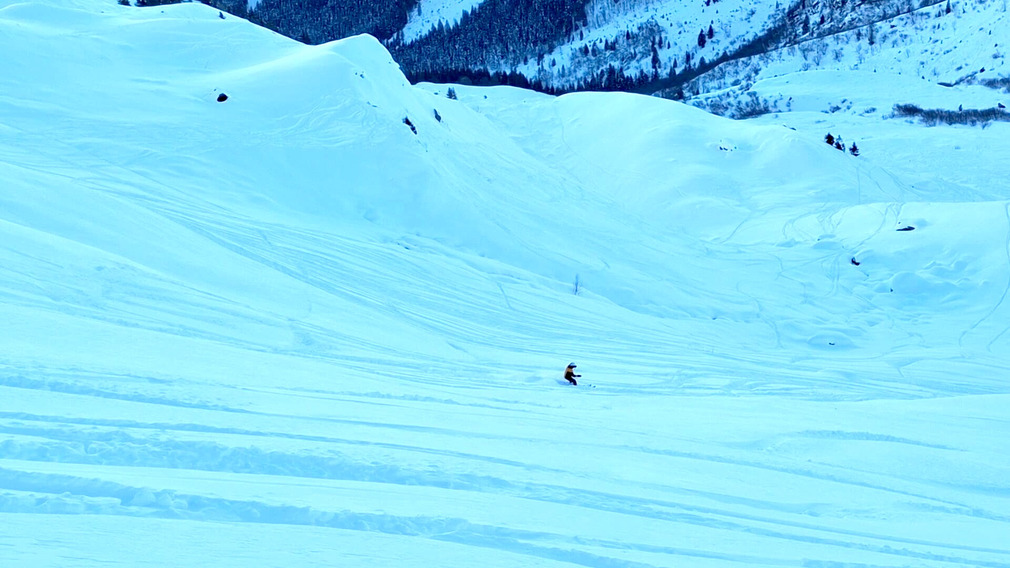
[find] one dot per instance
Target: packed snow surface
(286, 330)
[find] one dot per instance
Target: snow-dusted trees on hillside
(601, 12)
(563, 45)
(494, 35)
(318, 21)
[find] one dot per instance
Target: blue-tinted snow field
(286, 330)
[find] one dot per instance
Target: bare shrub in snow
(933, 117)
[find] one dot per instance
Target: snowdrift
(289, 327)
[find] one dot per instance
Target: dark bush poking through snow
(971, 117)
(997, 83)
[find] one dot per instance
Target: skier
(570, 375)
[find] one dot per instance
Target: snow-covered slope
(923, 53)
(429, 13)
(661, 46)
(676, 24)
(285, 329)
(636, 26)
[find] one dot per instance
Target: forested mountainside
(319, 21)
(649, 46)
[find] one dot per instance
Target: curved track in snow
(288, 331)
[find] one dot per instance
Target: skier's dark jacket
(570, 374)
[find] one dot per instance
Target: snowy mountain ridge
(671, 48)
(268, 304)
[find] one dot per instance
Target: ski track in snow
(84, 442)
(56, 442)
(210, 376)
(239, 439)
